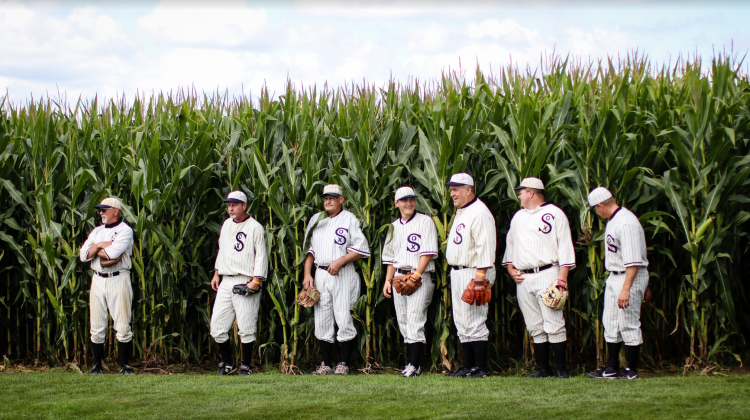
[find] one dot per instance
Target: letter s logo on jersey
(413, 245)
(546, 219)
(340, 238)
(611, 244)
(239, 246)
(459, 238)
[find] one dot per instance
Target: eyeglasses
(102, 211)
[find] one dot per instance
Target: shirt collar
(470, 202)
(410, 219)
(331, 217)
(537, 208)
(247, 216)
(111, 225)
(613, 214)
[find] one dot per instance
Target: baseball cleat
(462, 372)
(97, 370)
(341, 369)
(476, 373)
(411, 372)
(322, 370)
(126, 370)
(606, 373)
(629, 374)
(540, 373)
(224, 369)
(563, 374)
(244, 370)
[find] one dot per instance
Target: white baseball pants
(229, 306)
(411, 311)
(111, 296)
(544, 324)
(471, 320)
(338, 294)
(624, 324)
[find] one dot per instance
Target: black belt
(400, 271)
(105, 275)
(538, 269)
(460, 267)
(322, 267)
(617, 272)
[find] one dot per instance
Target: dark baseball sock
(480, 354)
(560, 350)
(469, 360)
(326, 349)
(614, 355)
(247, 353)
(415, 351)
(631, 353)
(123, 351)
(225, 349)
(98, 350)
(346, 351)
(541, 351)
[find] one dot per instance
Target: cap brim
(456, 184)
(521, 187)
(592, 207)
(407, 196)
(102, 206)
(234, 200)
(331, 194)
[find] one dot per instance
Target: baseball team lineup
(539, 254)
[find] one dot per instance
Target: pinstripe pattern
(471, 320)
(544, 324)
(625, 241)
(338, 294)
(539, 237)
(472, 241)
(411, 311)
(242, 249)
(112, 295)
(335, 236)
(229, 306)
(409, 241)
(624, 324)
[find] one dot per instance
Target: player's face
(599, 209)
(236, 209)
(407, 206)
(110, 215)
(460, 195)
(524, 195)
(333, 204)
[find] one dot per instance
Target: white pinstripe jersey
(539, 237)
(242, 249)
(624, 241)
(411, 240)
(472, 241)
(121, 236)
(335, 236)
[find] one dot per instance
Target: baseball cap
(598, 195)
(109, 203)
(333, 190)
(405, 192)
(461, 178)
(236, 197)
(534, 183)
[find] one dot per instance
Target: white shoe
(411, 372)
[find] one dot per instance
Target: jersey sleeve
(430, 242)
(485, 240)
(566, 254)
(86, 247)
(509, 243)
(123, 240)
(358, 240)
(260, 266)
(389, 248)
(632, 241)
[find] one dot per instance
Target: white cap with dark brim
(597, 196)
(461, 178)
(236, 197)
(334, 190)
(109, 203)
(405, 192)
(531, 182)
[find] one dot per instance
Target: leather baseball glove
(478, 297)
(398, 283)
(308, 297)
(647, 296)
(241, 289)
(556, 296)
(410, 285)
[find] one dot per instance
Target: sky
(111, 48)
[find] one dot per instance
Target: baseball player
(625, 259)
(409, 251)
(242, 259)
(109, 248)
(472, 244)
(336, 241)
(539, 251)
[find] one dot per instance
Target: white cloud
(429, 39)
(224, 24)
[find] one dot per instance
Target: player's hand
(516, 275)
(623, 301)
(564, 281)
(387, 289)
(480, 286)
(215, 281)
(308, 282)
(253, 286)
(334, 267)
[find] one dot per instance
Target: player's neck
(240, 218)
(534, 205)
(406, 217)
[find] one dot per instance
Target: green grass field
(67, 395)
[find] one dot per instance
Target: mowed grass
(67, 395)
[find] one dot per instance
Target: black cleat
(224, 369)
(97, 370)
(563, 374)
(629, 374)
(476, 373)
(126, 370)
(244, 370)
(462, 372)
(606, 373)
(540, 373)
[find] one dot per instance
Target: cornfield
(671, 143)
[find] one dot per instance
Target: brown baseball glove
(308, 297)
(469, 293)
(647, 296)
(477, 297)
(410, 285)
(398, 283)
